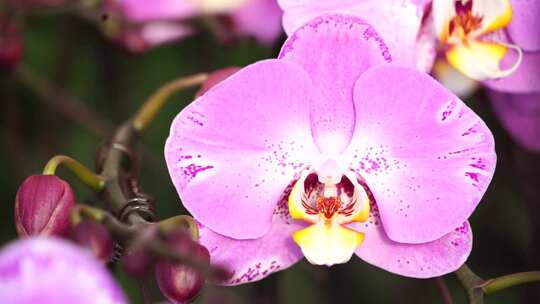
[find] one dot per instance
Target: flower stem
(500, 283)
(151, 107)
(87, 176)
(476, 287)
(470, 281)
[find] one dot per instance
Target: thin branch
(62, 102)
(443, 290)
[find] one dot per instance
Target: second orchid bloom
(329, 151)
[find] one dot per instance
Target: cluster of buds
(44, 206)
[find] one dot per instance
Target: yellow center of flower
(462, 26)
(329, 204)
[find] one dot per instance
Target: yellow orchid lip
(329, 206)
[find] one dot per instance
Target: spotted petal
(384, 15)
(253, 260)
(426, 260)
(424, 154)
(233, 151)
(335, 50)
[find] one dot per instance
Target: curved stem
(151, 107)
(470, 281)
(500, 283)
(85, 175)
(155, 246)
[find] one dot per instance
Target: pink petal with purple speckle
(426, 260)
(525, 26)
(49, 270)
(424, 154)
(397, 21)
(335, 50)
(520, 115)
(260, 19)
(233, 151)
(253, 260)
(526, 79)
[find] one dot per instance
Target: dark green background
(74, 55)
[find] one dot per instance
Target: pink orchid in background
(328, 151)
(255, 18)
(399, 22)
(49, 270)
(497, 42)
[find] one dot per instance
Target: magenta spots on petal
(478, 163)
(473, 176)
(192, 170)
(253, 272)
(449, 109)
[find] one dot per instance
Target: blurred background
(74, 84)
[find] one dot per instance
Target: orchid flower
(330, 151)
(49, 270)
(399, 22)
(461, 25)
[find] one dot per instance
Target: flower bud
(11, 44)
(43, 205)
(181, 283)
(216, 77)
(94, 237)
(137, 260)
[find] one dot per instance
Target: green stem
(500, 283)
(151, 107)
(87, 176)
(470, 281)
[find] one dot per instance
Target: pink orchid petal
(233, 151)
(144, 10)
(253, 260)
(525, 26)
(520, 115)
(426, 260)
(39, 270)
(335, 50)
(398, 23)
(424, 154)
(260, 19)
(525, 79)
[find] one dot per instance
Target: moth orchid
(329, 151)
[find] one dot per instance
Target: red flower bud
(11, 44)
(181, 283)
(43, 205)
(216, 77)
(95, 237)
(137, 260)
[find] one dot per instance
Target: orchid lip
(328, 199)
